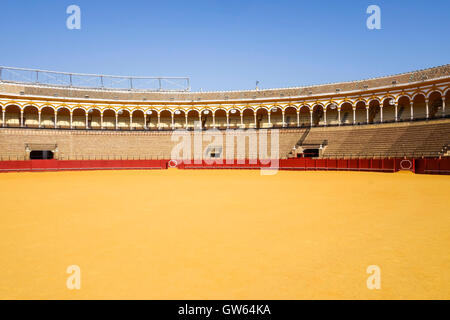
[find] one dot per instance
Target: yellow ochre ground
(224, 234)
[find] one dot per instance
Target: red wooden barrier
(423, 166)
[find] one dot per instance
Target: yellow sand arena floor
(223, 234)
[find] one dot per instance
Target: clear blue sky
(227, 44)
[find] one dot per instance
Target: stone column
(242, 119)
(186, 120)
(339, 116)
(56, 119)
(396, 111)
(214, 119)
(325, 117)
(159, 121)
(256, 121)
(311, 117)
(268, 117)
(131, 121)
(411, 103)
(443, 106)
(21, 118)
(427, 108)
(117, 121)
(71, 117)
(354, 115)
(87, 121)
(282, 117)
(3, 117)
(381, 113)
(228, 120)
(173, 121)
(101, 120)
(367, 114)
(39, 118)
(298, 118)
(145, 120)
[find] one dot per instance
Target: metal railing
(93, 81)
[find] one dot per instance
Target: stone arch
(374, 111)
(193, 118)
(220, 118)
(388, 110)
(318, 115)
(179, 118)
(419, 105)
(404, 108)
(304, 116)
(94, 118)
(234, 117)
(248, 115)
(12, 115)
(137, 116)
(262, 118)
(109, 118)
(206, 116)
(47, 117)
(79, 118)
(63, 117)
(123, 119)
(276, 116)
(435, 104)
(31, 116)
(360, 112)
(290, 116)
(346, 113)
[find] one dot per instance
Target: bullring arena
(328, 180)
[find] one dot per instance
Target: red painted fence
(422, 166)
(41, 165)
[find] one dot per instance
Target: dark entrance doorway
(41, 155)
(311, 153)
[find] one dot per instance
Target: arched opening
(94, 119)
(47, 117)
(248, 118)
(151, 119)
(435, 105)
(12, 116)
(374, 111)
(332, 114)
(318, 115)
(221, 118)
(290, 117)
(234, 118)
(31, 117)
(193, 119)
(165, 118)
(138, 120)
(179, 119)
(123, 119)
(419, 106)
(2, 109)
(206, 119)
(276, 117)
(389, 110)
(305, 116)
(79, 119)
(262, 118)
(109, 119)
(404, 109)
(360, 113)
(63, 118)
(346, 113)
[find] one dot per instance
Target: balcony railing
(93, 81)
